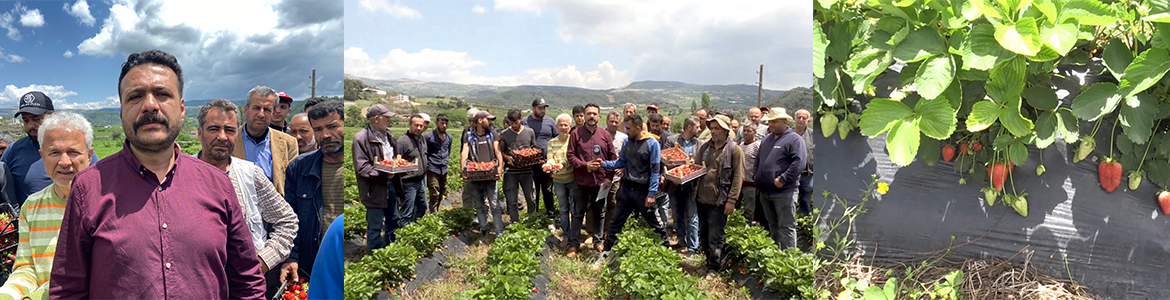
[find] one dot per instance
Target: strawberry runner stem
(1095, 127)
(1112, 133)
(1148, 144)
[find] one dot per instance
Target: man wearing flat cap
(781, 158)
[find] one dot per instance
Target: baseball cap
(425, 116)
(471, 112)
(379, 110)
(35, 103)
(652, 106)
(284, 98)
(539, 102)
(484, 114)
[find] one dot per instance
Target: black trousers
(712, 223)
(544, 190)
(632, 199)
(586, 201)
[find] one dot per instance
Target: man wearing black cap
(545, 129)
(280, 114)
(21, 155)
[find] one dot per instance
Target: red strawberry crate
(696, 171)
(396, 170)
(534, 157)
(673, 157)
(9, 236)
(489, 174)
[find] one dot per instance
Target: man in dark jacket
(719, 189)
(682, 197)
(370, 146)
(782, 157)
(314, 179)
(438, 155)
(641, 159)
(545, 129)
(588, 143)
(413, 148)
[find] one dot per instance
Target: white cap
(425, 117)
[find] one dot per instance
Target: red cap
(284, 97)
(652, 106)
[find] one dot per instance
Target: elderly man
(279, 120)
(804, 201)
(781, 159)
(22, 154)
(719, 189)
(66, 143)
(268, 148)
(609, 193)
(438, 155)
(749, 195)
(666, 125)
(371, 145)
(754, 115)
(149, 222)
(300, 129)
(261, 204)
(315, 184)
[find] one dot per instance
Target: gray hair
(65, 120)
(261, 91)
(629, 105)
(565, 117)
(691, 121)
(5, 137)
(221, 104)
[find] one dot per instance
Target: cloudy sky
(73, 50)
(583, 43)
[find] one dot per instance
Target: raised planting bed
(514, 262)
(415, 257)
(645, 269)
(789, 273)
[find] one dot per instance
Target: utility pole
(760, 95)
(314, 83)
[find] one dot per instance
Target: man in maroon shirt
(150, 222)
(587, 143)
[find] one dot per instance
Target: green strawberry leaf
(929, 150)
(935, 76)
(1046, 129)
(840, 42)
(1042, 97)
(983, 115)
(902, 142)
(827, 85)
(1137, 121)
(1006, 81)
(1017, 153)
(1146, 70)
(865, 66)
(980, 50)
(1011, 119)
(1158, 18)
(936, 118)
(1098, 100)
(1061, 37)
(880, 115)
(1069, 128)
(1117, 57)
(1088, 12)
(820, 42)
(921, 44)
(1022, 37)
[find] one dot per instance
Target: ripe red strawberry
(997, 173)
(948, 152)
(1109, 173)
(963, 148)
(1164, 201)
(976, 146)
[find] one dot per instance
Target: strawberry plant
(512, 261)
(355, 221)
(387, 266)
(647, 269)
(425, 235)
(788, 272)
(990, 75)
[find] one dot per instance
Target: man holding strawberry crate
(481, 155)
(544, 128)
(517, 142)
(371, 145)
(412, 148)
(682, 196)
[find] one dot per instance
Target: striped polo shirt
(39, 223)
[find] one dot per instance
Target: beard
(152, 145)
(219, 154)
(331, 146)
(310, 146)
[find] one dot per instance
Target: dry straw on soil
(982, 279)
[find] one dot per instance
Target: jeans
(566, 192)
(748, 202)
(482, 194)
(414, 205)
(380, 228)
(631, 199)
(685, 219)
(586, 200)
(662, 209)
(779, 210)
(514, 182)
(804, 201)
(712, 223)
(436, 190)
(544, 190)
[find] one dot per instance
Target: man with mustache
(67, 140)
(149, 222)
(438, 155)
(269, 149)
(413, 148)
(300, 129)
(545, 129)
(280, 114)
(258, 198)
(718, 189)
(377, 191)
(588, 143)
(315, 183)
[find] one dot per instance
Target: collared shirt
(261, 204)
(386, 140)
(585, 146)
(438, 152)
(133, 237)
(259, 153)
(20, 155)
(39, 222)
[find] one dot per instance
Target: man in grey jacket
(782, 157)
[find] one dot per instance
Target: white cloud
(12, 58)
(479, 9)
(32, 18)
(68, 54)
(228, 46)
(80, 10)
(692, 40)
(109, 102)
(453, 66)
(11, 93)
(393, 7)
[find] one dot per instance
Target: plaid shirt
(273, 210)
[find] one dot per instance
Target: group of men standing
(148, 222)
(763, 167)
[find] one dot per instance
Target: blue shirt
(329, 274)
(438, 152)
(636, 167)
(36, 179)
(20, 155)
(544, 129)
(259, 154)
